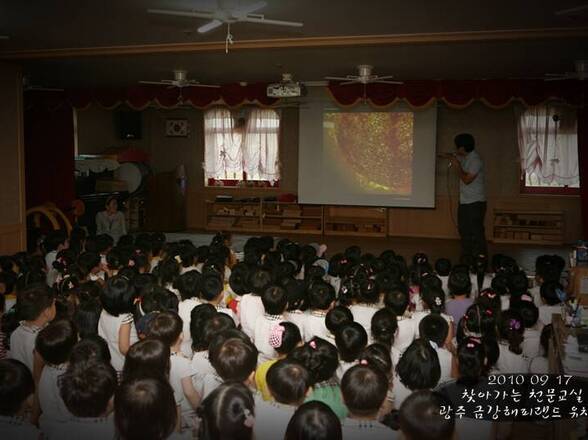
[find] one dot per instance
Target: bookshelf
(528, 227)
(357, 221)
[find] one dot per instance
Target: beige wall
(12, 190)
(495, 131)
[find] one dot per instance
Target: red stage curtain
(583, 163)
(49, 155)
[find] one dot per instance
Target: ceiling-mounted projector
(285, 89)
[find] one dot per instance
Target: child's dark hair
(364, 390)
(434, 328)
(512, 330)
(239, 279)
(459, 283)
(216, 324)
(118, 296)
(90, 349)
(149, 358)
(16, 385)
(314, 420)
(87, 316)
(198, 317)
(518, 283)
(88, 261)
(290, 338)
(54, 239)
(377, 356)
(529, 311)
(166, 326)
(234, 359)
(274, 300)
(33, 300)
(421, 417)
(546, 333)
(321, 295)
(552, 293)
(443, 267)
(471, 354)
(295, 293)
(419, 367)
(141, 400)
(336, 317)
(168, 270)
(225, 413)
(212, 286)
(479, 321)
(288, 382)
(260, 280)
(368, 292)
(188, 284)
(320, 358)
(434, 298)
(492, 353)
(351, 339)
(55, 342)
(87, 388)
(397, 300)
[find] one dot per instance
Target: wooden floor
(434, 248)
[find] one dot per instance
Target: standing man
(469, 167)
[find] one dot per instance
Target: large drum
(135, 174)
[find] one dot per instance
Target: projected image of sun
(375, 149)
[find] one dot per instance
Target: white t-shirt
(486, 283)
(400, 391)
(263, 328)
(539, 365)
(474, 191)
(299, 318)
(18, 428)
(108, 327)
(504, 302)
(85, 428)
(354, 429)
(183, 269)
(509, 362)
(180, 368)
(314, 325)
(185, 311)
(52, 406)
(22, 343)
(406, 333)
(363, 313)
(535, 293)
(444, 282)
(200, 368)
(210, 383)
(342, 369)
(546, 313)
(532, 343)
(271, 419)
(250, 308)
(445, 358)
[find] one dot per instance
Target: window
(548, 147)
(242, 150)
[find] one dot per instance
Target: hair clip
(178, 259)
(561, 295)
(343, 261)
(433, 344)
(312, 344)
(526, 298)
(249, 419)
(363, 362)
(131, 263)
(489, 312)
(438, 301)
(275, 337)
(470, 345)
(514, 324)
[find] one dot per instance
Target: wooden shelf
(309, 217)
(356, 233)
(547, 228)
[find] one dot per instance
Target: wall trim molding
(306, 42)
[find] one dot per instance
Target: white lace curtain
(233, 151)
(548, 145)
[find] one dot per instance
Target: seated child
(188, 285)
(552, 298)
(116, 320)
(228, 413)
(460, 287)
(284, 338)
(314, 420)
(434, 329)
(297, 301)
(90, 349)
(350, 339)
(250, 306)
(418, 369)
(434, 303)
(16, 399)
(365, 304)
(511, 333)
(321, 360)
(54, 344)
(88, 391)
(364, 391)
(540, 363)
(322, 299)
(141, 400)
(421, 419)
(530, 317)
(336, 317)
(397, 301)
(167, 326)
(36, 308)
(274, 301)
(212, 293)
(149, 358)
(443, 270)
(384, 330)
(288, 383)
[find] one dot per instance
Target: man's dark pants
(470, 221)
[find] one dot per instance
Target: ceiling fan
(180, 80)
(572, 11)
(227, 12)
(581, 72)
(364, 77)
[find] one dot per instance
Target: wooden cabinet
(537, 227)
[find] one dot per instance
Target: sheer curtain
(260, 146)
(548, 145)
(223, 154)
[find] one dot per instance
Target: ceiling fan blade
(571, 10)
(212, 86)
(387, 82)
(268, 21)
(378, 78)
(338, 78)
(4, 37)
(193, 14)
(350, 82)
(209, 26)
(151, 82)
(248, 9)
(559, 78)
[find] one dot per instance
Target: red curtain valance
(139, 97)
(460, 94)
